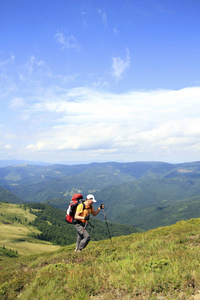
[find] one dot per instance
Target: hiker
(81, 217)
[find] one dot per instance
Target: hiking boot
(77, 250)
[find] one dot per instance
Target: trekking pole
(107, 225)
(85, 226)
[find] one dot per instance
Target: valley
(140, 194)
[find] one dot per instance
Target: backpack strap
(77, 221)
(88, 220)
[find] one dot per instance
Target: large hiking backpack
(76, 200)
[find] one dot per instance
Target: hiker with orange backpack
(81, 218)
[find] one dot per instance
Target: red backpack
(76, 200)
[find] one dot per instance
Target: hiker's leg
(83, 236)
(78, 240)
(84, 241)
(78, 228)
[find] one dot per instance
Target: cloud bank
(83, 124)
(41, 119)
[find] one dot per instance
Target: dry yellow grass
(10, 211)
(18, 236)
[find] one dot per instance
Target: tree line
(51, 222)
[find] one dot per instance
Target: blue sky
(85, 81)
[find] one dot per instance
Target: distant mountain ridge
(7, 196)
(17, 162)
(140, 194)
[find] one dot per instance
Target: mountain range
(141, 194)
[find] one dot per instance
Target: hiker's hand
(102, 206)
(87, 218)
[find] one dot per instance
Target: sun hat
(91, 197)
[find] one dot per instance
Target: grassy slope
(16, 234)
(163, 263)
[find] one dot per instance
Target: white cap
(91, 197)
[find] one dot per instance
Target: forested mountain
(7, 196)
(141, 194)
(154, 202)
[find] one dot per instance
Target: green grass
(163, 263)
(7, 253)
(16, 234)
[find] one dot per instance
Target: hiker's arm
(95, 212)
(78, 216)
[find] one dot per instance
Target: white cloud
(84, 123)
(36, 147)
(119, 66)
(103, 16)
(66, 42)
(33, 70)
(136, 122)
(5, 62)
